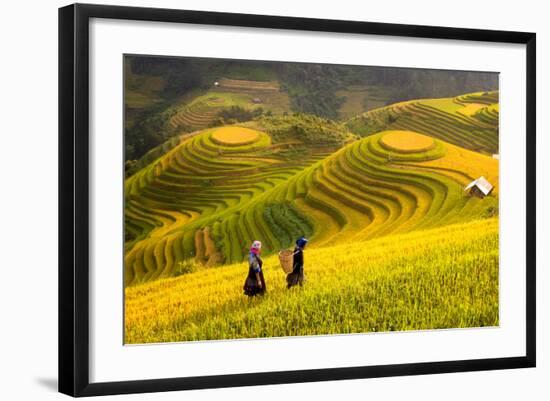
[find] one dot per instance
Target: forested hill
(312, 86)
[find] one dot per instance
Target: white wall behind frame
(111, 362)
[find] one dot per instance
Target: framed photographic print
(290, 200)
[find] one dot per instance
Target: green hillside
(201, 199)
(469, 121)
(206, 109)
(166, 96)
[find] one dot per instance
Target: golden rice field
(240, 192)
(440, 278)
(395, 241)
(469, 121)
(463, 164)
(406, 141)
(234, 136)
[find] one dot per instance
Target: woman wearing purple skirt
(255, 282)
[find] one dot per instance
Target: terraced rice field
(240, 85)
(488, 114)
(406, 141)
(202, 184)
(431, 279)
(224, 195)
(229, 136)
(203, 110)
(395, 242)
(487, 98)
(449, 119)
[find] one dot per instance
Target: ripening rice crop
(395, 241)
(471, 108)
(459, 121)
(430, 279)
(203, 110)
(229, 195)
(204, 185)
(234, 136)
(464, 166)
(406, 141)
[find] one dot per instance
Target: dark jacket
(298, 259)
(297, 275)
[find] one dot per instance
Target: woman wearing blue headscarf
(297, 275)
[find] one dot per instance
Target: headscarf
(301, 242)
(256, 246)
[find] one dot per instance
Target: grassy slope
(396, 244)
(464, 166)
(199, 184)
(360, 192)
(439, 278)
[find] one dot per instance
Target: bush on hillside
(240, 114)
(368, 124)
(307, 128)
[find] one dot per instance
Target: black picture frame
(74, 198)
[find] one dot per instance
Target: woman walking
(297, 275)
(255, 282)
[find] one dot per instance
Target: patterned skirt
(251, 286)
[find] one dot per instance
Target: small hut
(216, 84)
(479, 187)
(257, 100)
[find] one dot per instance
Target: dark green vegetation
(308, 129)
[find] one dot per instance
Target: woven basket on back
(286, 258)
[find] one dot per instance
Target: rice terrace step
(371, 165)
